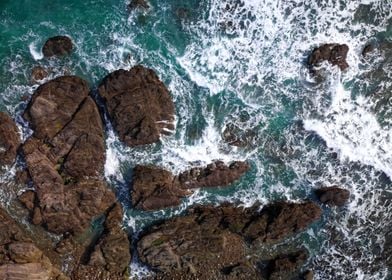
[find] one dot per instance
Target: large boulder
(155, 188)
(57, 46)
(335, 54)
(138, 104)
(9, 140)
(333, 196)
(214, 242)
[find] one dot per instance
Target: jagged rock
(333, 196)
(9, 140)
(57, 46)
(285, 267)
(111, 255)
(155, 188)
(138, 4)
(28, 199)
(214, 175)
(210, 242)
(20, 258)
(333, 53)
(38, 73)
(138, 104)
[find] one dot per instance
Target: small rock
(137, 4)
(333, 196)
(57, 46)
(333, 53)
(38, 73)
(9, 140)
(368, 49)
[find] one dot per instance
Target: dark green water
(242, 66)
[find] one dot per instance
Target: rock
(155, 188)
(38, 73)
(138, 104)
(22, 177)
(138, 4)
(214, 175)
(308, 275)
(9, 140)
(57, 46)
(111, 255)
(213, 242)
(236, 136)
(20, 258)
(284, 267)
(368, 49)
(333, 53)
(333, 196)
(28, 199)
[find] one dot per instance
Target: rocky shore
(64, 160)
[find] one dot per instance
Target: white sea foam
(35, 51)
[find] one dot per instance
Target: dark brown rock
(9, 140)
(155, 188)
(28, 199)
(138, 104)
(333, 53)
(20, 258)
(285, 267)
(57, 46)
(212, 242)
(214, 175)
(38, 73)
(333, 196)
(138, 4)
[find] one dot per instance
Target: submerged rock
(138, 104)
(214, 242)
(38, 73)
(368, 49)
(9, 140)
(333, 196)
(333, 53)
(57, 46)
(138, 4)
(155, 188)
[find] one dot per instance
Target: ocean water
(238, 64)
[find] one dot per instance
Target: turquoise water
(242, 64)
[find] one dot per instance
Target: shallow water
(240, 63)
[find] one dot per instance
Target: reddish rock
(155, 188)
(9, 140)
(214, 242)
(38, 73)
(285, 267)
(333, 196)
(333, 53)
(138, 104)
(57, 46)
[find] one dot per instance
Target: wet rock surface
(57, 46)
(20, 258)
(9, 140)
(335, 54)
(139, 105)
(215, 241)
(38, 73)
(138, 4)
(155, 188)
(333, 196)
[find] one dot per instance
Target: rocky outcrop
(335, 54)
(155, 188)
(285, 267)
(9, 140)
(57, 46)
(138, 104)
(333, 196)
(20, 258)
(213, 242)
(138, 4)
(65, 156)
